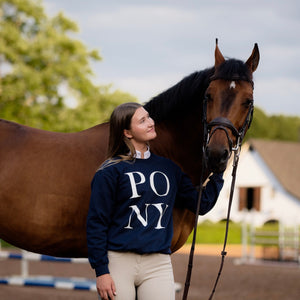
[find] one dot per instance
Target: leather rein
(210, 128)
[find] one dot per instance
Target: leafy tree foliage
(41, 65)
(274, 127)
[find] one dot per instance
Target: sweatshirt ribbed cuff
(101, 270)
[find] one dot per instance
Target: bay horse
(45, 176)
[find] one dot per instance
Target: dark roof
(283, 159)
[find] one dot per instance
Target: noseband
(221, 123)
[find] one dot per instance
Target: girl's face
(142, 129)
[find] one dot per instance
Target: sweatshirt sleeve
(188, 196)
(211, 192)
(98, 220)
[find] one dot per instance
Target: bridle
(219, 123)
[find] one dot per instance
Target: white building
(267, 185)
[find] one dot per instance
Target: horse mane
(181, 98)
(188, 93)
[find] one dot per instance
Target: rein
(223, 252)
(221, 124)
(191, 256)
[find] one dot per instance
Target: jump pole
(72, 283)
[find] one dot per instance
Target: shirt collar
(147, 154)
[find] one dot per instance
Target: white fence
(285, 241)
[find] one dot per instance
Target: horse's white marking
(232, 85)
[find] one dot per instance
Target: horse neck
(181, 98)
(182, 143)
(177, 113)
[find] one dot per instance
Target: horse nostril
(225, 154)
(222, 154)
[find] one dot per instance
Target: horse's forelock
(233, 69)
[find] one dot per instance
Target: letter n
(136, 210)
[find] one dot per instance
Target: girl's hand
(106, 287)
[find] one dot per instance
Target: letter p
(134, 183)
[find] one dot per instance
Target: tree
(274, 127)
(41, 64)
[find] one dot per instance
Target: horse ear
(219, 58)
(253, 60)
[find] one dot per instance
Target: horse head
(227, 108)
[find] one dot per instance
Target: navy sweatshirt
(131, 207)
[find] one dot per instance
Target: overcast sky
(149, 45)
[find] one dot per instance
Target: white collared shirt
(147, 154)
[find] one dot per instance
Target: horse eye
(248, 102)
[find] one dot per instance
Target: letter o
(153, 186)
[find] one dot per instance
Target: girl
(129, 224)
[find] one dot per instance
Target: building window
(249, 198)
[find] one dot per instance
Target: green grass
(5, 244)
(214, 233)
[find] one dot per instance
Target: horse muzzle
(219, 144)
(216, 157)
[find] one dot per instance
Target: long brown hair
(119, 146)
